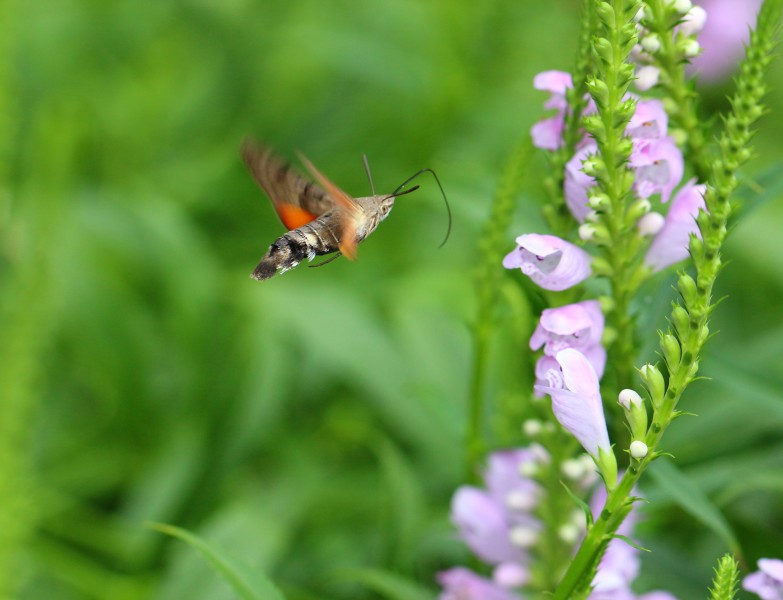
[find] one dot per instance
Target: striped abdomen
(305, 242)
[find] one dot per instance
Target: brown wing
(348, 215)
(296, 200)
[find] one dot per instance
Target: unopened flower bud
(635, 412)
(691, 48)
(598, 201)
(586, 232)
(651, 43)
(573, 469)
(628, 398)
(681, 6)
(510, 575)
(528, 469)
(639, 15)
(569, 533)
(647, 77)
(694, 21)
(592, 217)
(540, 454)
(671, 350)
(521, 500)
(638, 449)
(653, 381)
(681, 321)
(532, 427)
(687, 287)
(523, 536)
(650, 224)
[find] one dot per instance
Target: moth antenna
(327, 261)
(398, 192)
(369, 173)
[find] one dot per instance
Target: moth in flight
(320, 217)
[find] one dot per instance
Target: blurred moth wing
(320, 217)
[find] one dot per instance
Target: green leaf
(247, 583)
(692, 500)
(388, 585)
(763, 188)
(404, 504)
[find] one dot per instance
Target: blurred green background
(311, 424)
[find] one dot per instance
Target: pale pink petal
(659, 168)
(463, 584)
(671, 244)
(502, 476)
(772, 567)
(482, 524)
(510, 575)
(576, 400)
(576, 182)
(549, 261)
(556, 82)
(649, 121)
(548, 134)
(723, 37)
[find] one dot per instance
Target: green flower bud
(598, 200)
(635, 412)
(606, 14)
(671, 351)
(681, 321)
(687, 287)
(653, 381)
(599, 90)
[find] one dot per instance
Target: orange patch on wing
(293, 216)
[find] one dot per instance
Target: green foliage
(247, 583)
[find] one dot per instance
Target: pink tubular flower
(658, 167)
(723, 36)
(767, 582)
(576, 400)
(671, 243)
(551, 262)
(655, 159)
(463, 584)
(578, 326)
(505, 483)
(548, 134)
(483, 525)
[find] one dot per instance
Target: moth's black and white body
(321, 219)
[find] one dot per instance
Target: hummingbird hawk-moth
(320, 217)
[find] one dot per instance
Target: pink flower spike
(576, 401)
(463, 584)
(767, 582)
(549, 261)
(671, 244)
(555, 82)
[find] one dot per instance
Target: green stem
(492, 246)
